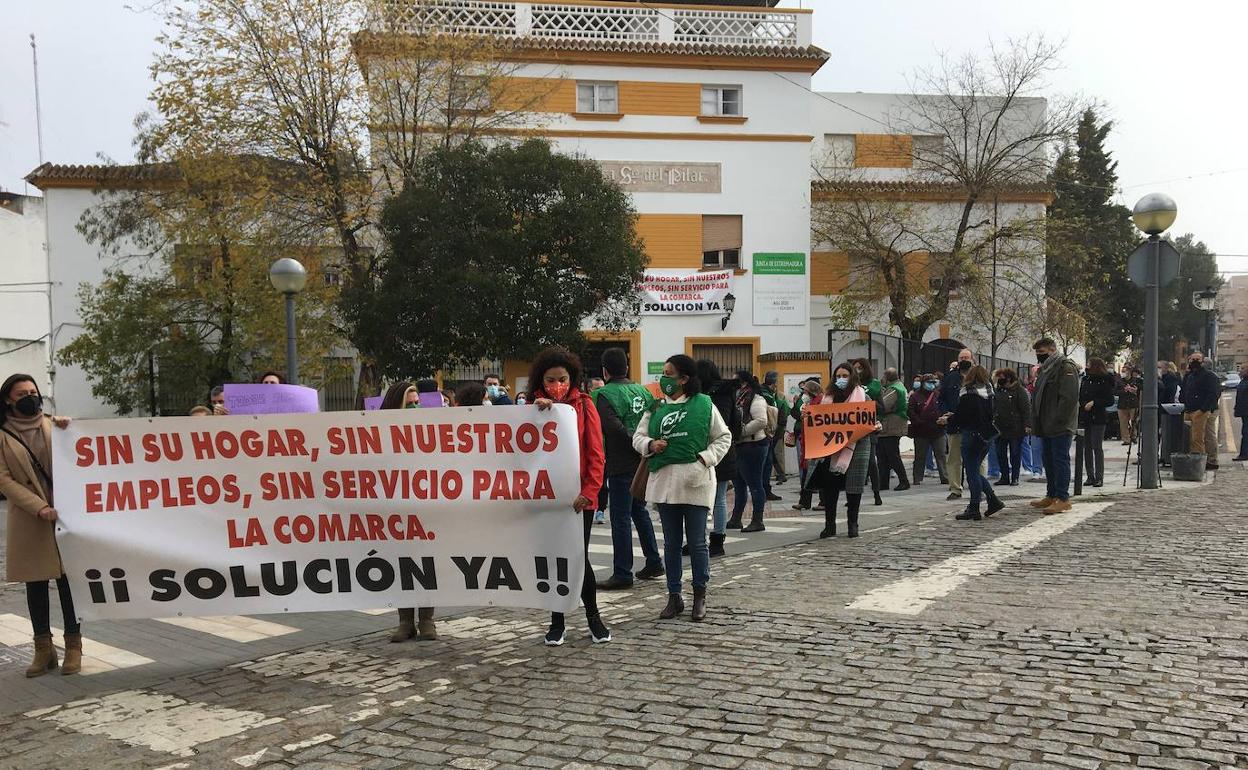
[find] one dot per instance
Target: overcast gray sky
(1169, 73)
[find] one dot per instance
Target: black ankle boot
(829, 525)
(970, 514)
(994, 505)
(717, 545)
(675, 606)
(756, 524)
(851, 515)
(735, 521)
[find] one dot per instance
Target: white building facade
(705, 114)
(24, 315)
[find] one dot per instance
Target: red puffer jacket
(589, 428)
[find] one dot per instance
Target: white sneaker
(555, 637)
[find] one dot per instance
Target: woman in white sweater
(683, 438)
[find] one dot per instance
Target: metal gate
(729, 358)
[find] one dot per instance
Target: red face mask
(557, 390)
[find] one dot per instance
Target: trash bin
(1187, 466)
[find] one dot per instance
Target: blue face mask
(842, 383)
(929, 386)
(917, 383)
(492, 391)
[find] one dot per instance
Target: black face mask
(28, 406)
(1193, 366)
(1042, 357)
(964, 366)
(1003, 384)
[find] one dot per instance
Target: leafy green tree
(1089, 240)
(496, 252)
(186, 301)
(1179, 320)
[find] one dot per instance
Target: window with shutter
(721, 240)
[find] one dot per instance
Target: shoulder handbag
(47, 477)
(637, 489)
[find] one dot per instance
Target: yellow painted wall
(536, 94)
(672, 240)
(650, 98)
(883, 151)
(829, 272)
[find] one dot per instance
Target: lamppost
(1207, 301)
(1153, 214)
(289, 277)
(730, 304)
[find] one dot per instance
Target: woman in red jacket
(553, 379)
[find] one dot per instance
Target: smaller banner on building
(683, 292)
(781, 289)
(236, 515)
(828, 428)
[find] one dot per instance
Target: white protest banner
(332, 511)
(681, 292)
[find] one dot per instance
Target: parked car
(1231, 382)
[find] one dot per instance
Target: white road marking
(236, 628)
(158, 721)
(250, 760)
(912, 595)
(97, 657)
(314, 740)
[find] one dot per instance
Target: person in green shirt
(872, 385)
(683, 438)
(775, 456)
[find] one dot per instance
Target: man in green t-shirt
(775, 456)
(622, 404)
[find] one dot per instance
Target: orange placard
(828, 428)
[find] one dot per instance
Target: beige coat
(32, 552)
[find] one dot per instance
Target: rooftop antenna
(34, 58)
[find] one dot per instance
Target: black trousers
(40, 608)
(833, 484)
(589, 586)
(888, 450)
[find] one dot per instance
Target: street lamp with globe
(1207, 301)
(1153, 215)
(289, 277)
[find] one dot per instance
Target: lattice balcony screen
(480, 17)
(568, 22)
(735, 28)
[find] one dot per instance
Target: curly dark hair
(549, 359)
(470, 394)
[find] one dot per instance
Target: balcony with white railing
(766, 28)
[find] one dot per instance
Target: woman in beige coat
(26, 481)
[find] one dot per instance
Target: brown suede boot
(407, 625)
(425, 627)
(45, 656)
(73, 655)
(1042, 503)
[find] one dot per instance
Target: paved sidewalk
(1111, 637)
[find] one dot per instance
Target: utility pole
(34, 59)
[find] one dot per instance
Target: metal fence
(910, 357)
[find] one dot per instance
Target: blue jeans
(1056, 453)
(625, 514)
(1010, 456)
(931, 459)
(1031, 455)
(768, 465)
(750, 456)
(719, 514)
(681, 523)
(993, 468)
(974, 449)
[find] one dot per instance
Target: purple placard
(270, 399)
(429, 400)
(373, 402)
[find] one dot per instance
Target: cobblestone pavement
(1112, 636)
